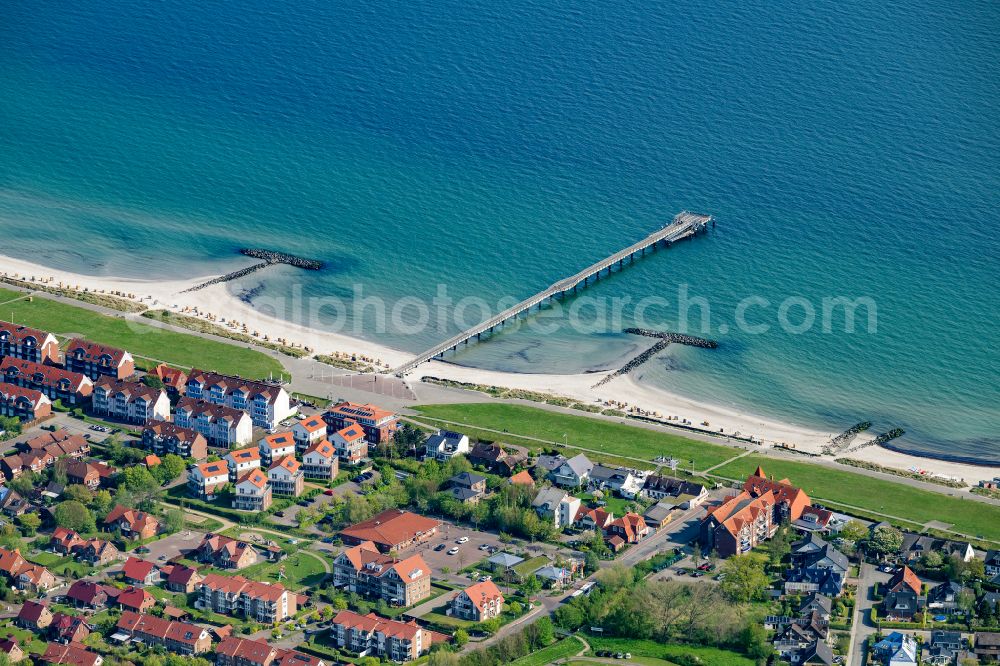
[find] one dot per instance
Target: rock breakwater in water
(665, 339)
(270, 257)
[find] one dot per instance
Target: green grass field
(835, 486)
(140, 339)
(61, 565)
(709, 656)
(567, 647)
(614, 439)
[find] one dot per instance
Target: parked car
(464, 539)
(485, 546)
(438, 548)
(328, 491)
(279, 514)
(453, 550)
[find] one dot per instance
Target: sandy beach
(216, 304)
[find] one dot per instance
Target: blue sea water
(846, 149)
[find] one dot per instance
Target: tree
(854, 530)
(755, 642)
(152, 381)
(10, 426)
(80, 493)
(171, 467)
(931, 559)
(445, 658)
(546, 633)
(885, 539)
(29, 522)
(138, 488)
(745, 579)
(461, 637)
(174, 520)
(74, 516)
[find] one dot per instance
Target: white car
(453, 550)
(462, 540)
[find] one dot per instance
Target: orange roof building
(739, 523)
(394, 529)
(789, 500)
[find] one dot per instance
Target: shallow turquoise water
(846, 149)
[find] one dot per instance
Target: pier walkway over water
(684, 225)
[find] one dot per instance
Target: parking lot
(64, 421)
(468, 553)
(168, 547)
(317, 502)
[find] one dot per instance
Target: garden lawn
(615, 439)
(301, 570)
(154, 344)
(710, 656)
(34, 644)
(833, 486)
(61, 565)
(567, 647)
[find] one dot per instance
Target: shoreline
(621, 392)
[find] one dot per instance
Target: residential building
(572, 473)
(241, 462)
(350, 444)
(129, 401)
(207, 479)
(275, 447)
(308, 431)
(235, 595)
(915, 545)
(97, 552)
(380, 637)
(553, 576)
(71, 388)
(814, 551)
(29, 344)
(364, 570)
(23, 403)
(815, 519)
(987, 647)
(64, 540)
(174, 380)
(176, 637)
(92, 475)
(557, 506)
(682, 493)
(659, 515)
(57, 442)
(233, 651)
(446, 444)
(320, 461)
(286, 477)
(10, 647)
(630, 528)
(71, 654)
(738, 524)
(478, 603)
(467, 487)
(379, 425)
(267, 404)
(183, 579)
(34, 615)
(68, 628)
(393, 529)
(87, 594)
(131, 523)
(225, 552)
(522, 478)
(496, 459)
(164, 438)
(222, 426)
(620, 480)
(140, 572)
(596, 519)
(945, 596)
(992, 563)
(788, 500)
(897, 649)
(96, 360)
(34, 578)
(252, 492)
(945, 647)
(902, 598)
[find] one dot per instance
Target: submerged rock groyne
(270, 257)
(679, 338)
(882, 439)
(665, 339)
(845, 438)
(273, 257)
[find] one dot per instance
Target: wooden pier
(684, 225)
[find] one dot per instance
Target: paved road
(862, 626)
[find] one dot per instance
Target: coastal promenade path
(684, 225)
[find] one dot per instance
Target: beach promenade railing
(684, 225)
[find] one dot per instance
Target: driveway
(169, 547)
(862, 627)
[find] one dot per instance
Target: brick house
(378, 636)
(235, 595)
(23, 403)
(131, 523)
(95, 360)
(162, 437)
(140, 572)
(132, 402)
(29, 344)
(176, 637)
(379, 425)
(393, 529)
(34, 616)
(72, 388)
(224, 552)
(365, 571)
